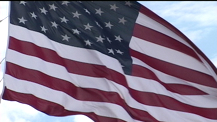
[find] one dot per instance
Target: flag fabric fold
(113, 61)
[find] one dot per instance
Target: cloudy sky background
(197, 20)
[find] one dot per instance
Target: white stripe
(208, 67)
(105, 85)
(100, 108)
(69, 103)
(174, 80)
(60, 72)
(146, 85)
(150, 23)
(152, 110)
(166, 54)
(65, 51)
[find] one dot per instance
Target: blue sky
(196, 19)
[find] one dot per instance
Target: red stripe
(167, 102)
(88, 94)
(175, 70)
(160, 20)
(74, 67)
(77, 67)
(84, 94)
(51, 108)
(150, 35)
(143, 72)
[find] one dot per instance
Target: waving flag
(108, 60)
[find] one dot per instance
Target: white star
(23, 2)
(88, 26)
(22, 20)
(75, 31)
(128, 3)
(111, 51)
(53, 7)
(64, 19)
(88, 42)
(118, 38)
(33, 15)
(122, 20)
(43, 29)
(76, 14)
(98, 24)
(99, 39)
(114, 7)
(65, 3)
(43, 10)
(98, 11)
(109, 25)
(108, 40)
(86, 11)
(118, 51)
(65, 37)
(54, 24)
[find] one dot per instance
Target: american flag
(113, 61)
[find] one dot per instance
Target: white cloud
(82, 118)
(1, 82)
(192, 18)
(5, 118)
(200, 12)
(16, 112)
(195, 34)
(4, 25)
(3, 35)
(4, 9)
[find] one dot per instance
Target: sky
(196, 19)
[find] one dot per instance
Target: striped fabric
(120, 67)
